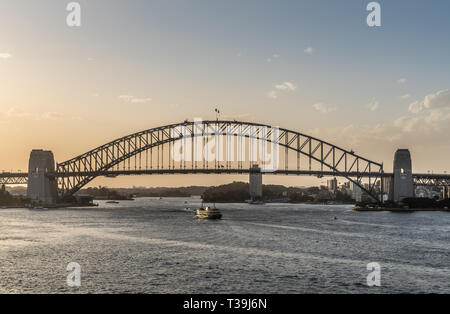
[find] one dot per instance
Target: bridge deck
(319, 173)
(114, 173)
(420, 178)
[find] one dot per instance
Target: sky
(311, 66)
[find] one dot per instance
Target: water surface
(156, 246)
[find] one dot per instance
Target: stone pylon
(402, 186)
(42, 184)
(255, 183)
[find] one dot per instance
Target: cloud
(141, 100)
(17, 112)
(272, 94)
(425, 134)
(132, 99)
(274, 56)
(440, 99)
(416, 107)
(434, 122)
(309, 50)
(323, 108)
(52, 116)
(286, 86)
(5, 55)
(354, 135)
(401, 81)
(406, 96)
(373, 105)
(126, 97)
(406, 124)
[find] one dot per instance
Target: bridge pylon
(402, 186)
(42, 184)
(255, 183)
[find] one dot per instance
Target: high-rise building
(332, 185)
(356, 192)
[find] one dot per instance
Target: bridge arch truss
(175, 148)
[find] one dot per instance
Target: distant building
(347, 191)
(345, 188)
(387, 182)
(421, 192)
(332, 185)
(323, 196)
(356, 192)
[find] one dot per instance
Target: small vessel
(255, 202)
(112, 202)
(208, 213)
(39, 208)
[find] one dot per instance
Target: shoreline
(399, 210)
(49, 206)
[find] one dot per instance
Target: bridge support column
(42, 185)
(402, 186)
(255, 183)
(445, 192)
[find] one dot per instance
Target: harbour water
(156, 246)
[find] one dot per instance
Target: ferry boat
(255, 202)
(208, 213)
(39, 208)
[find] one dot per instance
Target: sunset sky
(310, 66)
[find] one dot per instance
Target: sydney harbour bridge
(219, 147)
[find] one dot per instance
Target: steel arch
(78, 171)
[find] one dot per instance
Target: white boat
(255, 202)
(208, 213)
(39, 208)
